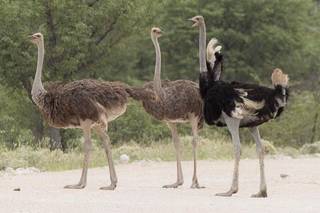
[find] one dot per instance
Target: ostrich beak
(195, 23)
(30, 38)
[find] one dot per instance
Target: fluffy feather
(211, 51)
(278, 78)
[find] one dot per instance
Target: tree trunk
(314, 128)
(55, 138)
(38, 130)
(64, 145)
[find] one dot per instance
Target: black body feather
(220, 96)
(207, 79)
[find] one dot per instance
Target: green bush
(296, 126)
(137, 125)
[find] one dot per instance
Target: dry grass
(45, 159)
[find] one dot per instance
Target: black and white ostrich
(237, 105)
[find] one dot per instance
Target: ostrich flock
(91, 104)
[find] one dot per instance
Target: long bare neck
(37, 87)
(157, 71)
(202, 47)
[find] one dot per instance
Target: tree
(256, 35)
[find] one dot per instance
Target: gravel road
(139, 189)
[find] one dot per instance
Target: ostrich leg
(102, 132)
(195, 139)
(87, 148)
(259, 147)
(233, 126)
(176, 141)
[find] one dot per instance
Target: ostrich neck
(37, 87)
(157, 72)
(202, 48)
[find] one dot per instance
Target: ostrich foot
(111, 187)
(228, 193)
(195, 185)
(175, 185)
(262, 193)
(76, 186)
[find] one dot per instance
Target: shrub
(312, 148)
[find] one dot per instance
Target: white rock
(124, 158)
(283, 157)
(25, 171)
(22, 171)
(10, 171)
(34, 169)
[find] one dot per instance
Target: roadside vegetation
(219, 148)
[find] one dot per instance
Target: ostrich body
(83, 104)
(174, 102)
(237, 105)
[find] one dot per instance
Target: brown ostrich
(175, 102)
(83, 104)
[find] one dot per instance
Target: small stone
(17, 189)
(284, 175)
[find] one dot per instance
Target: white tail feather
(248, 107)
(218, 48)
(252, 105)
(211, 50)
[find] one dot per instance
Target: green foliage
(257, 36)
(82, 40)
(138, 126)
(295, 126)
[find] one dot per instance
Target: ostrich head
(280, 82)
(279, 78)
(156, 32)
(197, 21)
(36, 38)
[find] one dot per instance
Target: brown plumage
(181, 101)
(172, 102)
(66, 105)
(84, 104)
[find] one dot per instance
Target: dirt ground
(139, 189)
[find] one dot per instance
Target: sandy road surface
(139, 189)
